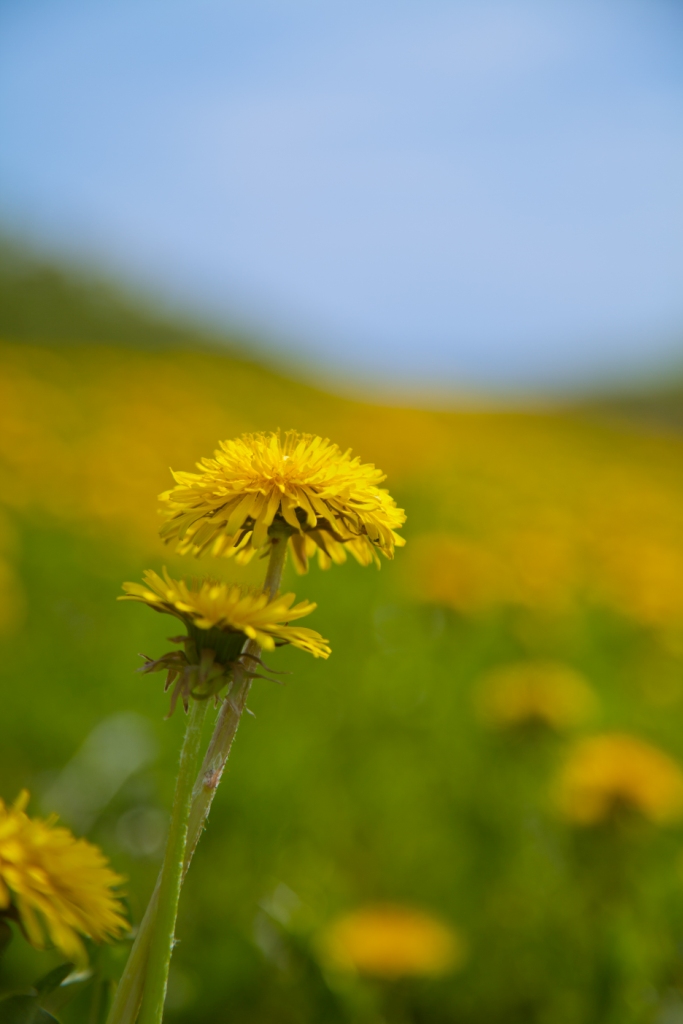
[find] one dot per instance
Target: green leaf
(54, 979)
(24, 1010)
(102, 994)
(6, 935)
(65, 993)
(43, 1017)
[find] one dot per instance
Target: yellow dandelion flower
(219, 618)
(535, 693)
(58, 886)
(306, 485)
(390, 941)
(209, 605)
(606, 774)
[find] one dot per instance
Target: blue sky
(473, 192)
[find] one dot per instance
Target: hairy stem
(229, 717)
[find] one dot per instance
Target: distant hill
(41, 301)
(657, 406)
(46, 303)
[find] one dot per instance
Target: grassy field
(534, 538)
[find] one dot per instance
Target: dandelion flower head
(391, 941)
(321, 496)
(60, 887)
(606, 774)
(210, 608)
(535, 693)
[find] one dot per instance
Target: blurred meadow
(440, 762)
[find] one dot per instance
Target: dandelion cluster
(60, 887)
(531, 511)
(260, 490)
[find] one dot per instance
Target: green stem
(124, 1009)
(136, 973)
(163, 930)
(229, 717)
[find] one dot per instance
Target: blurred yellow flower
(391, 941)
(319, 494)
(540, 567)
(606, 774)
(208, 605)
(642, 577)
(58, 885)
(453, 572)
(535, 693)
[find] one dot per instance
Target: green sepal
(226, 645)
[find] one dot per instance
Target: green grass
(364, 778)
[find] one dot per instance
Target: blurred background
(447, 235)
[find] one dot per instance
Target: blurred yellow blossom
(57, 885)
(326, 500)
(606, 774)
(535, 693)
(531, 568)
(539, 567)
(454, 572)
(392, 941)
(642, 577)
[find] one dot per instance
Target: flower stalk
(170, 880)
(232, 710)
